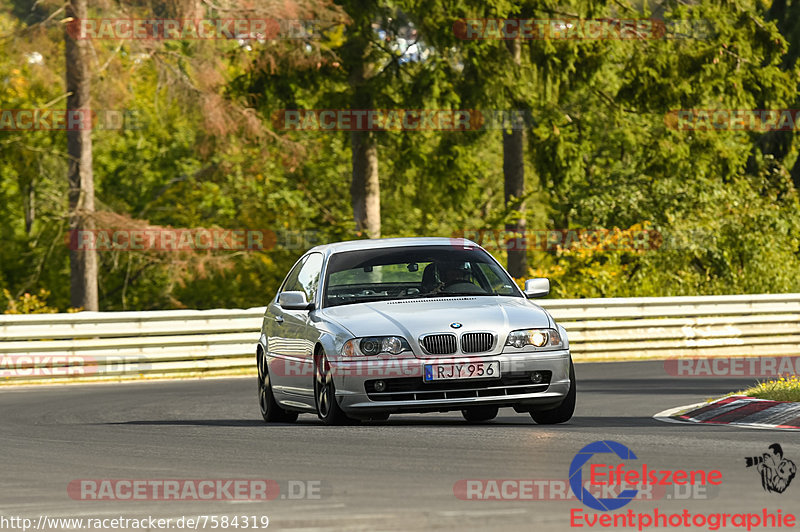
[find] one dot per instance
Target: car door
(292, 344)
(308, 282)
(282, 328)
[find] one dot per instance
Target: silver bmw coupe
(363, 329)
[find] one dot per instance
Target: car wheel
(564, 411)
(476, 414)
(328, 409)
(270, 410)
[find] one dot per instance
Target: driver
(455, 272)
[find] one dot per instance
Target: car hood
(412, 318)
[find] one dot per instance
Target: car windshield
(413, 272)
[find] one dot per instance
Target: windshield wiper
(457, 294)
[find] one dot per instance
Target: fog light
(380, 386)
(537, 377)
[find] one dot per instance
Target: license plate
(458, 371)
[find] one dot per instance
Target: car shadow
(577, 422)
(194, 422)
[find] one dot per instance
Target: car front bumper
(413, 395)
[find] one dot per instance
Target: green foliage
(600, 151)
(28, 303)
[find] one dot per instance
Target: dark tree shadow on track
(675, 385)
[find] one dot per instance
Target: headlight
(392, 344)
(375, 345)
(540, 338)
(370, 346)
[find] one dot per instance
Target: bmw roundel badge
(455, 325)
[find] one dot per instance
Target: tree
(83, 262)
(620, 160)
(596, 152)
(357, 70)
(773, 147)
(365, 192)
(514, 179)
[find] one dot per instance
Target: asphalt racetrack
(395, 475)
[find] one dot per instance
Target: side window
(291, 279)
(307, 278)
(496, 283)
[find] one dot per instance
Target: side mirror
(294, 300)
(538, 287)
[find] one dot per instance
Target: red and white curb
(738, 411)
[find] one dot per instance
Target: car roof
(386, 243)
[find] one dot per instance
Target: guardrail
(103, 345)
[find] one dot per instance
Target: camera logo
(776, 471)
(576, 476)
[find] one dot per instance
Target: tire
(477, 414)
(270, 410)
(563, 412)
(328, 409)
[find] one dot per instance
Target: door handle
(279, 319)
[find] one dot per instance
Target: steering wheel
(462, 286)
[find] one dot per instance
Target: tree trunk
(514, 188)
(365, 188)
(83, 263)
(795, 173)
(514, 180)
(29, 205)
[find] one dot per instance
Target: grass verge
(780, 389)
